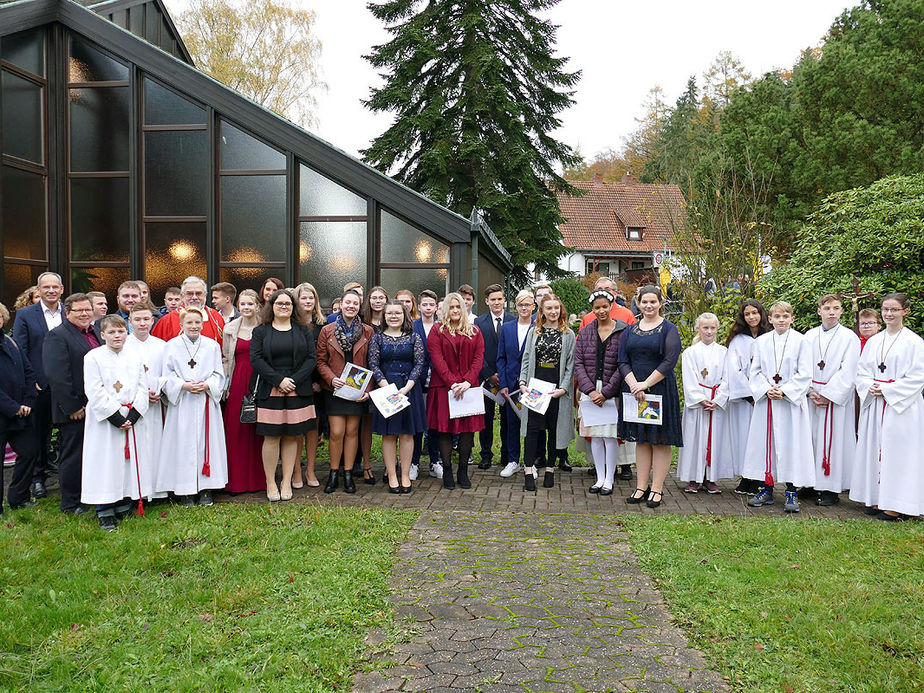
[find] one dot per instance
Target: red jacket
(454, 359)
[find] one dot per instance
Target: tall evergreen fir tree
(476, 89)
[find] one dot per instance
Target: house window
(594, 266)
(638, 265)
(634, 233)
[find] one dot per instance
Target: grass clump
(781, 605)
(232, 597)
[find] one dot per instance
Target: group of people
(822, 412)
(186, 399)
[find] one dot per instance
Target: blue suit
(486, 323)
(509, 357)
(433, 449)
(29, 331)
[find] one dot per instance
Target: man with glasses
(62, 356)
(194, 292)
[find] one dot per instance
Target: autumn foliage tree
(264, 49)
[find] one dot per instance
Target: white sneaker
(511, 469)
(436, 470)
(413, 472)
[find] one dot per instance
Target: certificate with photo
(388, 400)
(538, 395)
(355, 381)
(648, 411)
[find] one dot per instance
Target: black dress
(641, 352)
(281, 414)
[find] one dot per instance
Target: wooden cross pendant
(192, 363)
(117, 386)
(821, 364)
(704, 372)
(145, 369)
(882, 367)
(777, 378)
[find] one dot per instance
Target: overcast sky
(622, 48)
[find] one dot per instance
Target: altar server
(835, 352)
(705, 456)
(116, 454)
(193, 459)
(888, 475)
(780, 438)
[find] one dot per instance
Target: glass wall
(99, 136)
(410, 258)
(24, 165)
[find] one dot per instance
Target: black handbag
(249, 405)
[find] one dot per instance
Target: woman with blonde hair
(548, 355)
(456, 353)
(307, 297)
(27, 298)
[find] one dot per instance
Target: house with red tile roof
(614, 228)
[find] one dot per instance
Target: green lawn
(788, 605)
(232, 597)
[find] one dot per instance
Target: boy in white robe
(835, 352)
(151, 351)
(116, 459)
(193, 458)
(888, 473)
(705, 456)
(780, 437)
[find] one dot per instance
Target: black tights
(466, 443)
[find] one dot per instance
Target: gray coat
(564, 430)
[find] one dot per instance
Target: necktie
(497, 326)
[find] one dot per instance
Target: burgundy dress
(245, 461)
(453, 359)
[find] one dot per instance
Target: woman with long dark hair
(750, 322)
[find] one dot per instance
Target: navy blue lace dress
(397, 360)
(641, 352)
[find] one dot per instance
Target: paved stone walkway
(531, 602)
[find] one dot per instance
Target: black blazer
(62, 356)
(29, 332)
(304, 357)
(485, 323)
(17, 385)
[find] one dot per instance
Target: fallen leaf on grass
(249, 613)
(788, 617)
(76, 626)
(163, 513)
(757, 645)
(205, 617)
(794, 566)
(764, 614)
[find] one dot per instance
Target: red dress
(245, 461)
(452, 360)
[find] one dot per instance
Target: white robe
(790, 445)
(112, 381)
(182, 450)
(892, 426)
(151, 351)
(834, 433)
(739, 410)
(703, 430)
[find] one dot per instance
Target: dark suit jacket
(509, 357)
(485, 323)
(62, 355)
(29, 332)
(304, 359)
(17, 385)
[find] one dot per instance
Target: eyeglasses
(868, 324)
(280, 304)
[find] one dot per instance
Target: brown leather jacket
(331, 359)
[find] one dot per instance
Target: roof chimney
(628, 179)
(598, 179)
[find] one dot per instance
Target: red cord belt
(712, 390)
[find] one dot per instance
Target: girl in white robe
(193, 458)
(888, 473)
(750, 323)
(116, 460)
(780, 439)
(835, 352)
(705, 456)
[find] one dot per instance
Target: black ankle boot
(548, 481)
(332, 481)
(349, 486)
(448, 481)
(462, 477)
(529, 484)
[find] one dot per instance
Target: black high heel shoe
(654, 503)
(405, 489)
(394, 489)
(369, 476)
(635, 500)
